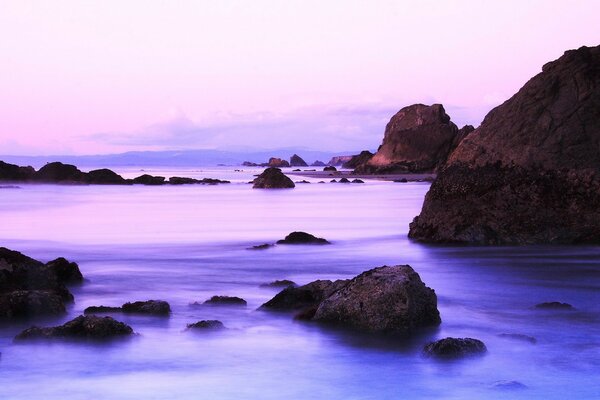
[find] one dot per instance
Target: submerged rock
(531, 172)
(85, 327)
(302, 238)
(263, 246)
(455, 348)
(273, 178)
(211, 324)
(554, 305)
(226, 300)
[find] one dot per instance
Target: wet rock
(303, 297)
(104, 177)
(226, 300)
(297, 161)
(284, 283)
(554, 305)
(154, 307)
(261, 246)
(384, 299)
(277, 163)
(83, 327)
(530, 173)
(518, 336)
(149, 180)
(273, 178)
(508, 385)
(58, 172)
(330, 168)
(30, 303)
(455, 348)
(211, 324)
(302, 238)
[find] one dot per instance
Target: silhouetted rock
(303, 181)
(261, 246)
(284, 283)
(344, 180)
(66, 271)
(58, 172)
(302, 238)
(211, 324)
(554, 305)
(249, 164)
(273, 178)
(11, 172)
(30, 303)
(178, 180)
(338, 161)
(82, 327)
(418, 138)
(384, 299)
(358, 181)
(104, 177)
(226, 300)
(531, 172)
(277, 162)
(318, 164)
(149, 180)
(154, 307)
(101, 309)
(455, 348)
(330, 168)
(297, 161)
(303, 297)
(358, 159)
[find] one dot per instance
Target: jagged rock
(531, 172)
(273, 178)
(278, 163)
(554, 305)
(384, 299)
(226, 300)
(297, 161)
(104, 176)
(84, 327)
(284, 283)
(211, 324)
(59, 172)
(302, 238)
(358, 159)
(455, 348)
(11, 172)
(418, 138)
(338, 161)
(154, 307)
(318, 164)
(149, 180)
(330, 168)
(303, 297)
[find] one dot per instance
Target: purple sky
(88, 77)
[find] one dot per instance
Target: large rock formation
(272, 178)
(358, 159)
(297, 161)
(531, 172)
(385, 299)
(418, 138)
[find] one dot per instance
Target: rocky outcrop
(59, 172)
(11, 172)
(29, 287)
(531, 172)
(338, 161)
(82, 327)
(385, 299)
(272, 178)
(209, 325)
(455, 348)
(418, 138)
(277, 162)
(297, 161)
(358, 159)
(302, 238)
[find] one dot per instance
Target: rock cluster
(531, 172)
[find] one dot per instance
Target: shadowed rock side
(272, 178)
(531, 172)
(385, 299)
(29, 287)
(418, 138)
(297, 161)
(83, 327)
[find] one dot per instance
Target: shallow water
(186, 243)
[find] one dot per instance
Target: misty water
(184, 244)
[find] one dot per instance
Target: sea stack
(531, 172)
(273, 178)
(297, 161)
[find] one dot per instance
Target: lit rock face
(531, 172)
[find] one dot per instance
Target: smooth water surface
(186, 243)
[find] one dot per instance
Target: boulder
(149, 180)
(83, 327)
(154, 307)
(297, 161)
(530, 173)
(277, 163)
(344, 180)
(226, 300)
(455, 348)
(358, 181)
(104, 176)
(272, 178)
(385, 299)
(330, 168)
(58, 172)
(66, 271)
(358, 159)
(418, 138)
(15, 173)
(302, 238)
(211, 324)
(303, 297)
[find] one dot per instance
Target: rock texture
(297, 161)
(83, 327)
(418, 138)
(531, 172)
(272, 178)
(386, 299)
(455, 348)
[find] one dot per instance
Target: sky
(96, 77)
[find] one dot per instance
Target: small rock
(302, 238)
(284, 283)
(101, 309)
(344, 180)
(211, 324)
(333, 181)
(455, 347)
(226, 300)
(554, 305)
(85, 327)
(261, 246)
(330, 168)
(273, 178)
(303, 181)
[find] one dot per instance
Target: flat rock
(302, 238)
(84, 327)
(455, 348)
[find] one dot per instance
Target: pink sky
(88, 77)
